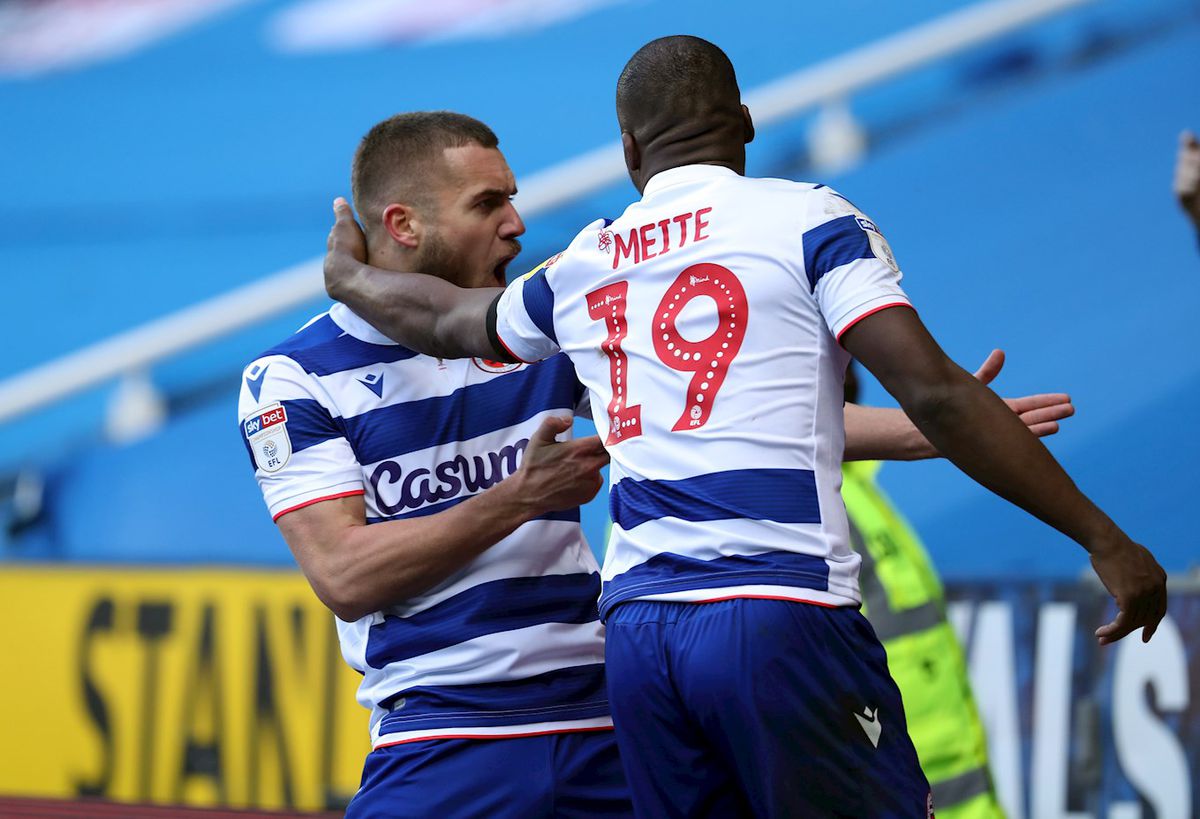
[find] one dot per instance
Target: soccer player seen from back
(712, 322)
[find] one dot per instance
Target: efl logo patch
(879, 245)
(266, 432)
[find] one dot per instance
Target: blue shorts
(759, 708)
(574, 774)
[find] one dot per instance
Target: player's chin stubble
(438, 257)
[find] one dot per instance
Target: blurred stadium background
(168, 167)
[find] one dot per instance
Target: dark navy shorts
(759, 708)
(574, 774)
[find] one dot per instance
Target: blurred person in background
(903, 600)
(1187, 178)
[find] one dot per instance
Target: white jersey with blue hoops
(706, 321)
(511, 644)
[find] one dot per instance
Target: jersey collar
(352, 324)
(684, 174)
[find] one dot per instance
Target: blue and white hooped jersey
(706, 321)
(512, 644)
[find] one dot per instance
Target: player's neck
(653, 165)
(393, 256)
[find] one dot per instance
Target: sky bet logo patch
(867, 224)
(879, 245)
(267, 435)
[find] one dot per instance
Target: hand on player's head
(345, 248)
(346, 236)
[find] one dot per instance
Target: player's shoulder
(797, 187)
(292, 353)
(590, 244)
(319, 330)
(808, 203)
(335, 342)
(829, 204)
(284, 371)
(810, 194)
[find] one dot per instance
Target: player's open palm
(560, 475)
(345, 245)
(1138, 584)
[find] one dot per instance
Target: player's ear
(633, 156)
(747, 125)
(402, 224)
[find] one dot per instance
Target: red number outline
(608, 305)
(707, 359)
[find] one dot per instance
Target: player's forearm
(881, 434)
(386, 563)
(973, 428)
(421, 312)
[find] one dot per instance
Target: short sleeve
(525, 316)
(850, 266)
(297, 449)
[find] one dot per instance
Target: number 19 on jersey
(707, 360)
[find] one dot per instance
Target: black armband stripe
(501, 352)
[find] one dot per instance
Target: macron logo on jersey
(374, 383)
(869, 720)
(254, 380)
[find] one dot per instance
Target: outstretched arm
(421, 312)
(885, 434)
(974, 429)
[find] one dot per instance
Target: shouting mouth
(501, 269)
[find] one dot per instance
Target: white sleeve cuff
(519, 332)
(290, 503)
(860, 311)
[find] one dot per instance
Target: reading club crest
(489, 366)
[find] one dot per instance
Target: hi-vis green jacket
(903, 600)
